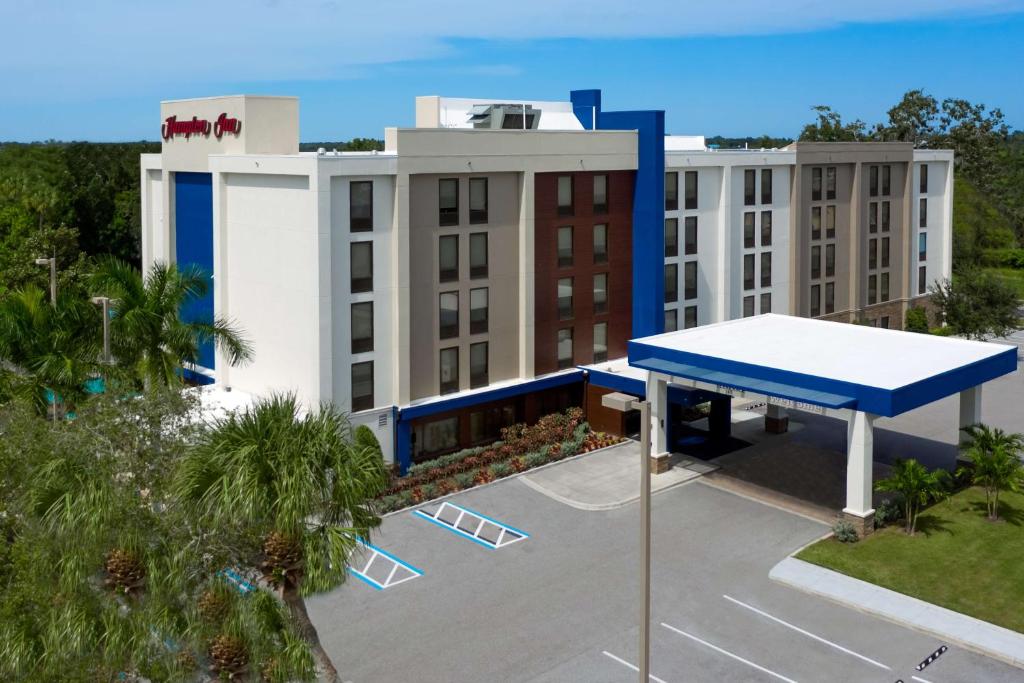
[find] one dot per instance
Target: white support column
(657, 395)
(970, 411)
(776, 419)
(859, 450)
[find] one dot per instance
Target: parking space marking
(400, 571)
(727, 653)
(920, 680)
(473, 525)
(806, 633)
(622, 661)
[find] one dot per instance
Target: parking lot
(560, 602)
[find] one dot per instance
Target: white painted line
(729, 654)
(807, 633)
(622, 661)
(920, 680)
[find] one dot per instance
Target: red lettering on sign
(225, 124)
(172, 127)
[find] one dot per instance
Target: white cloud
(55, 50)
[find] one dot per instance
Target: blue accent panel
(585, 103)
(196, 377)
(475, 398)
(193, 239)
(613, 380)
(403, 445)
(954, 381)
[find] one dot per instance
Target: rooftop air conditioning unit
(504, 116)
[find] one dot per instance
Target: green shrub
(845, 532)
(946, 331)
(389, 503)
(501, 469)
(464, 479)
(887, 513)
(537, 459)
(364, 436)
(917, 320)
(405, 499)
(429, 491)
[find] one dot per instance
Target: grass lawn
(957, 559)
(1011, 276)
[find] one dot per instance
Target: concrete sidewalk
(609, 478)
(968, 632)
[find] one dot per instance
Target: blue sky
(98, 70)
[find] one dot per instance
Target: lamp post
(104, 301)
(52, 262)
(624, 403)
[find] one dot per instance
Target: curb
(967, 632)
(598, 507)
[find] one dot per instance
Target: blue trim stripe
(442, 406)
(452, 529)
(489, 519)
(365, 579)
(613, 380)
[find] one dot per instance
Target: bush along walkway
(555, 437)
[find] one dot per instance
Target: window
(362, 327)
(873, 181)
(486, 425)
(922, 280)
(671, 191)
(690, 280)
(360, 206)
(600, 293)
(748, 271)
(885, 287)
(815, 222)
(449, 315)
(923, 187)
(815, 262)
(830, 297)
(601, 243)
(449, 370)
(883, 322)
(565, 298)
(748, 306)
(600, 194)
(671, 237)
(690, 247)
(478, 255)
(766, 186)
(600, 342)
(922, 246)
(690, 317)
(565, 195)
(565, 348)
(565, 246)
(448, 201)
(886, 180)
(478, 200)
(830, 182)
(872, 254)
(885, 216)
(885, 252)
(830, 260)
(766, 269)
(749, 187)
(362, 386)
(479, 310)
(448, 258)
(766, 302)
(815, 184)
(691, 190)
(671, 320)
(766, 228)
(361, 257)
(671, 283)
(922, 212)
(872, 289)
(435, 437)
(815, 301)
(830, 221)
(478, 376)
(748, 230)
(873, 217)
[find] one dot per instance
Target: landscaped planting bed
(554, 437)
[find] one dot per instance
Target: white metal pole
(53, 281)
(106, 330)
(645, 541)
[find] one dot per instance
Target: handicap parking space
(559, 602)
(379, 568)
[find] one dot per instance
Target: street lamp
(624, 403)
(52, 262)
(104, 301)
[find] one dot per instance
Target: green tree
(298, 487)
(916, 486)
(912, 120)
(830, 127)
(977, 305)
(147, 333)
(917, 320)
(997, 466)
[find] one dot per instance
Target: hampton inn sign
(224, 124)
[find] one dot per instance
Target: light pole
(624, 403)
(52, 262)
(104, 301)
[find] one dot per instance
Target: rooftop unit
(505, 116)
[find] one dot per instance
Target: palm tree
(997, 464)
(916, 487)
(147, 333)
(47, 349)
(300, 486)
